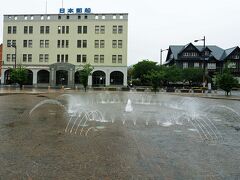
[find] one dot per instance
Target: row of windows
(66, 17)
(81, 58)
(12, 29)
(235, 56)
(11, 57)
(192, 54)
(65, 29)
(65, 43)
(197, 65)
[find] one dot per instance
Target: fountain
(129, 107)
(94, 111)
(128, 135)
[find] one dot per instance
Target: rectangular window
(102, 30)
(30, 29)
(102, 44)
(59, 43)
(46, 43)
(13, 57)
(101, 58)
(96, 58)
(25, 43)
(63, 29)
(96, 43)
(47, 29)
(79, 29)
(63, 43)
(9, 29)
(66, 57)
(78, 58)
(58, 58)
(120, 59)
(8, 57)
(67, 29)
(41, 29)
(9, 43)
(119, 43)
(41, 43)
(30, 43)
(196, 65)
(40, 57)
(114, 43)
(29, 57)
(84, 58)
(185, 65)
(59, 29)
(114, 29)
(114, 59)
(24, 57)
(13, 43)
(84, 43)
(120, 29)
(84, 29)
(211, 65)
(97, 29)
(67, 43)
(79, 43)
(231, 65)
(46, 57)
(25, 30)
(14, 29)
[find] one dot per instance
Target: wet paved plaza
(91, 136)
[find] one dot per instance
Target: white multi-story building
(53, 47)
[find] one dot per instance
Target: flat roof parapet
(69, 17)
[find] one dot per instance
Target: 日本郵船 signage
(74, 10)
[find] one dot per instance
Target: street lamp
(161, 50)
(204, 61)
(15, 60)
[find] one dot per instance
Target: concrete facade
(57, 43)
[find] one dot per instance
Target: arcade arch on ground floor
(66, 74)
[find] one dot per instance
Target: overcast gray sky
(154, 24)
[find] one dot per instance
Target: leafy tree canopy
(156, 78)
(192, 75)
(173, 74)
(143, 68)
(84, 73)
(226, 81)
(19, 75)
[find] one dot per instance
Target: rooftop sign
(74, 11)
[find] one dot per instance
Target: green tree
(192, 75)
(143, 68)
(156, 78)
(84, 73)
(226, 81)
(173, 74)
(18, 75)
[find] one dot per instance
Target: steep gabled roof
(216, 51)
(175, 50)
(228, 52)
